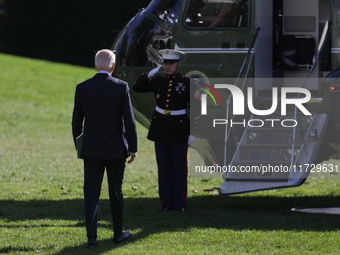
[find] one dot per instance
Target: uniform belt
(170, 112)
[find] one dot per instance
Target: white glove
(154, 71)
(191, 139)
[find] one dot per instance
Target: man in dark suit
(170, 128)
(103, 104)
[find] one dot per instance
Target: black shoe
(91, 243)
(179, 209)
(163, 209)
(124, 237)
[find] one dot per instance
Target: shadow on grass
(11, 249)
(208, 211)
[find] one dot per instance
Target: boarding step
(274, 135)
(258, 179)
(265, 152)
(277, 120)
(272, 154)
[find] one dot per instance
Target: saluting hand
(154, 71)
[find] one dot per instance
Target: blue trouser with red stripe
(172, 174)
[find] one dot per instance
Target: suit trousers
(172, 174)
(93, 177)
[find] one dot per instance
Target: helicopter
(263, 49)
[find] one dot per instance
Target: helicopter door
(300, 24)
(287, 47)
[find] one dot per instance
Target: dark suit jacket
(109, 128)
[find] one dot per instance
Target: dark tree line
(68, 31)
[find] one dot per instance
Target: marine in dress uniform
(169, 128)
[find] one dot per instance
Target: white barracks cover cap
(169, 54)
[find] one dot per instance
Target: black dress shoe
(124, 237)
(179, 209)
(91, 243)
(163, 209)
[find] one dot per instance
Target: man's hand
(133, 156)
(191, 139)
(154, 71)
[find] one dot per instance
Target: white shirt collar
(102, 71)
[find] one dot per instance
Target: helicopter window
(168, 11)
(218, 13)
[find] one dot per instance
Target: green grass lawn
(41, 180)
